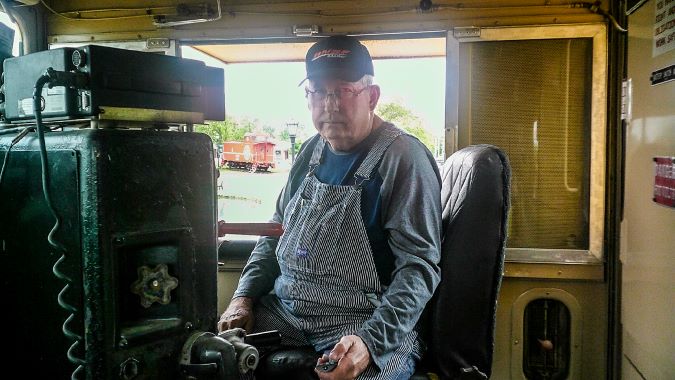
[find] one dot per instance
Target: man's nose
(332, 102)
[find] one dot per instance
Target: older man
(361, 212)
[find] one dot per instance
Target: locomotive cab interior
(119, 248)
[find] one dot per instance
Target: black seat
(475, 201)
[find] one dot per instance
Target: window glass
(268, 119)
(10, 37)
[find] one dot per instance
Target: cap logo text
(331, 53)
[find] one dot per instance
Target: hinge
(158, 43)
(466, 32)
(305, 30)
(626, 99)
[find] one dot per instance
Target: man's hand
(352, 356)
(238, 314)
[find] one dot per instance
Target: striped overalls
(328, 286)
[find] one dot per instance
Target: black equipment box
(122, 85)
(129, 202)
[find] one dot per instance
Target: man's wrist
(367, 340)
(243, 301)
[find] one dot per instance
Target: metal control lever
(199, 370)
(264, 339)
(225, 356)
(327, 366)
(207, 356)
(247, 356)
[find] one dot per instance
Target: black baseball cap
(341, 57)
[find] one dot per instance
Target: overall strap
(315, 160)
(386, 137)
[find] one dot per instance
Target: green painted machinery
(130, 273)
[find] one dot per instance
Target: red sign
(664, 181)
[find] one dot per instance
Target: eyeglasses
(340, 93)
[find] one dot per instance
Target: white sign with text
(664, 27)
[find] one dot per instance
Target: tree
(219, 131)
(269, 130)
(228, 130)
(284, 135)
(406, 120)
(244, 126)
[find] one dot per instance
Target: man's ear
(374, 96)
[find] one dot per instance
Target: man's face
(342, 111)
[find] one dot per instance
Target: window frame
(458, 129)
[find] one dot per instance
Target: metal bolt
(251, 361)
(188, 326)
(516, 342)
(129, 369)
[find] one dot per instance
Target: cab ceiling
(275, 52)
(200, 23)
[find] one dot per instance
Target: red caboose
(256, 152)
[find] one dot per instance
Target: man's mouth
(333, 125)
(333, 118)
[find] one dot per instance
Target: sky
(269, 92)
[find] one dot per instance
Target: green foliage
(285, 136)
(234, 130)
(270, 130)
(228, 130)
(406, 120)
